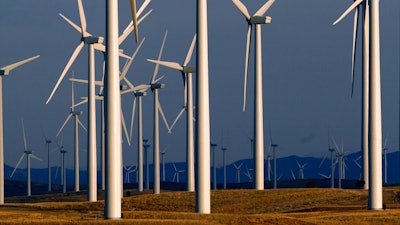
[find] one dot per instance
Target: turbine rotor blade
(128, 65)
(35, 157)
(162, 115)
(354, 5)
(353, 59)
(128, 30)
(177, 118)
(159, 57)
(19, 162)
(264, 8)
(24, 136)
(242, 8)
(80, 123)
(132, 117)
(134, 19)
(70, 61)
(190, 52)
(124, 127)
(17, 64)
(82, 18)
(172, 65)
(65, 122)
(246, 68)
(76, 27)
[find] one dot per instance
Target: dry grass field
(281, 206)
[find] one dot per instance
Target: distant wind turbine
(237, 168)
(77, 123)
(301, 170)
(257, 19)
(186, 73)
(176, 174)
(28, 154)
(213, 146)
(5, 71)
(224, 165)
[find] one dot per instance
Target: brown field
(281, 206)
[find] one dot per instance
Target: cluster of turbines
(115, 83)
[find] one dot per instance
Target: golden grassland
(281, 206)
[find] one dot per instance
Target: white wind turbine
(5, 71)
(186, 73)
(301, 170)
(356, 6)
(77, 123)
(128, 171)
(176, 174)
(340, 158)
(48, 142)
(237, 168)
(224, 165)
(62, 150)
(257, 19)
(28, 154)
(293, 176)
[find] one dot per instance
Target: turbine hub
(92, 40)
(260, 20)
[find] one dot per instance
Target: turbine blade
(72, 95)
(142, 8)
(242, 8)
(124, 127)
(17, 64)
(35, 157)
(85, 100)
(80, 123)
(132, 117)
(246, 67)
(128, 65)
(128, 30)
(70, 61)
(162, 115)
(19, 162)
(264, 8)
(336, 146)
(159, 57)
(134, 19)
(353, 59)
(354, 5)
(76, 27)
(172, 65)
(65, 122)
(386, 140)
(24, 136)
(177, 118)
(82, 18)
(190, 52)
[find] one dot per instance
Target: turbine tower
(5, 71)
(223, 162)
(213, 146)
(257, 19)
(332, 150)
(237, 168)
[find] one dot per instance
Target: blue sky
(306, 74)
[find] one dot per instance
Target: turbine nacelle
(157, 86)
(189, 69)
(139, 94)
(76, 113)
(28, 152)
(260, 20)
(4, 72)
(92, 40)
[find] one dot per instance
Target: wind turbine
(385, 149)
(237, 168)
(129, 170)
(257, 19)
(340, 159)
(5, 71)
(146, 161)
(186, 73)
(77, 123)
(176, 174)
(273, 147)
(356, 6)
(293, 176)
(332, 150)
(301, 170)
(48, 142)
(28, 154)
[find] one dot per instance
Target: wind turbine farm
(296, 78)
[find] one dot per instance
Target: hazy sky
(306, 74)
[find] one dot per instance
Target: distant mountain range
(315, 168)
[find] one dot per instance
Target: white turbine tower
(48, 142)
(163, 163)
(5, 71)
(28, 154)
(77, 122)
(186, 72)
(356, 6)
(257, 19)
